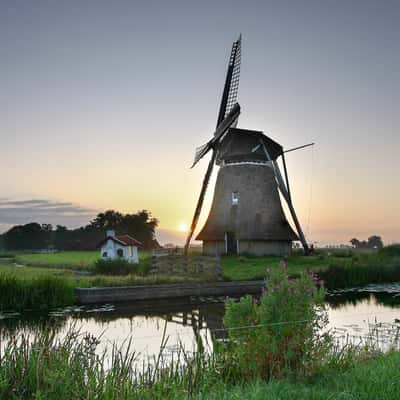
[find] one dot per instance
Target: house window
(105, 254)
(120, 253)
(235, 198)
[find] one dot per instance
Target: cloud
(16, 212)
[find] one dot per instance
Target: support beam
(286, 195)
(200, 201)
(286, 176)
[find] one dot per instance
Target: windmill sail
(230, 93)
(227, 116)
(228, 122)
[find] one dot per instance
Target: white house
(124, 246)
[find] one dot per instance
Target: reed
(44, 367)
(41, 291)
(363, 269)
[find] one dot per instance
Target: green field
(234, 267)
(77, 260)
(252, 267)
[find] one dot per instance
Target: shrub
(114, 267)
(279, 334)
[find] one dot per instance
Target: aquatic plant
(380, 267)
(281, 333)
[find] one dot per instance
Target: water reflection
(353, 314)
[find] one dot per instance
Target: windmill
(246, 215)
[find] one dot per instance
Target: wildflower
(314, 277)
(321, 283)
(282, 264)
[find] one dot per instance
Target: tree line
(373, 242)
(34, 236)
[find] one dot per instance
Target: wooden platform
(116, 294)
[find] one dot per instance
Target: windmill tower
(246, 214)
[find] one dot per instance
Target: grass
(77, 260)
(378, 378)
(34, 289)
(361, 269)
(60, 270)
(71, 368)
(38, 288)
(337, 268)
(253, 267)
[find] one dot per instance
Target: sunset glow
(108, 116)
(182, 227)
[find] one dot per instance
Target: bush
(114, 267)
(279, 334)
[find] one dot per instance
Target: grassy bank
(337, 268)
(372, 379)
(71, 369)
(57, 274)
(33, 290)
(361, 269)
(37, 288)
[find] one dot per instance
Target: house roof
(123, 240)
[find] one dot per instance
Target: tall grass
(42, 291)
(73, 368)
(362, 269)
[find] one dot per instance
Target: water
(359, 314)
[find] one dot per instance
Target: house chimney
(110, 233)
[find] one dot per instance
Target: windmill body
(246, 214)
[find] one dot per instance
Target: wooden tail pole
(299, 147)
(200, 201)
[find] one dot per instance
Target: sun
(182, 227)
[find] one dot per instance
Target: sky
(102, 105)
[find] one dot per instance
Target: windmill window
(235, 198)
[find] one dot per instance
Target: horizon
(104, 105)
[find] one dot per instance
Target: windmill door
(231, 243)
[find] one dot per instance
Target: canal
(359, 315)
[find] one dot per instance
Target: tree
(110, 219)
(375, 242)
(26, 237)
(355, 242)
(34, 236)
